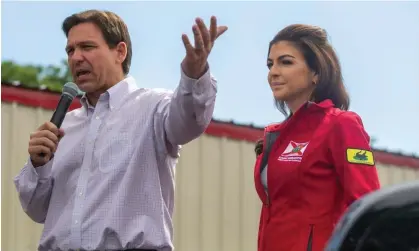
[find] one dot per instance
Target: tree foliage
(51, 77)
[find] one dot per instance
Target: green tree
(51, 77)
(26, 74)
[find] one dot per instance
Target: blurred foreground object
(384, 220)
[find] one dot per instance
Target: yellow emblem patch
(359, 156)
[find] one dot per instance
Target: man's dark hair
(114, 29)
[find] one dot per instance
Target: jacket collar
(327, 103)
(311, 106)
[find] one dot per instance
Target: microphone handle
(59, 113)
(61, 110)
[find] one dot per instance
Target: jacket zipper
(310, 239)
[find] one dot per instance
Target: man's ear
(121, 50)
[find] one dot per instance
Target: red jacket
(319, 161)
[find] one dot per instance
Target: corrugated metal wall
(216, 205)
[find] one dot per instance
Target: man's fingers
(43, 142)
(188, 46)
(35, 151)
(38, 159)
(199, 43)
(216, 31)
(204, 33)
(221, 30)
(204, 38)
(213, 28)
(61, 133)
(46, 134)
(50, 127)
(51, 136)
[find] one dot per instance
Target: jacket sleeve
(353, 158)
(34, 187)
(188, 112)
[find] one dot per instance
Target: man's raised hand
(195, 62)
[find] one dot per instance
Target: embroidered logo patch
(294, 152)
(359, 156)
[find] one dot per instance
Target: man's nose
(76, 56)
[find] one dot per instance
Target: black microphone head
(71, 89)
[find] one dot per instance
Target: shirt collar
(114, 95)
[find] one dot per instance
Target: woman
(313, 165)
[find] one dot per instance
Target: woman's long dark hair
(259, 147)
(322, 59)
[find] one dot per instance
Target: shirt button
(76, 222)
(97, 117)
(80, 193)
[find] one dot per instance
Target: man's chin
(86, 87)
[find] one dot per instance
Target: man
(108, 184)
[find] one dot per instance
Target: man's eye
(88, 46)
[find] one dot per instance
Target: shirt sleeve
(353, 157)
(34, 187)
(188, 112)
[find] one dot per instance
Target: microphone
(70, 90)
